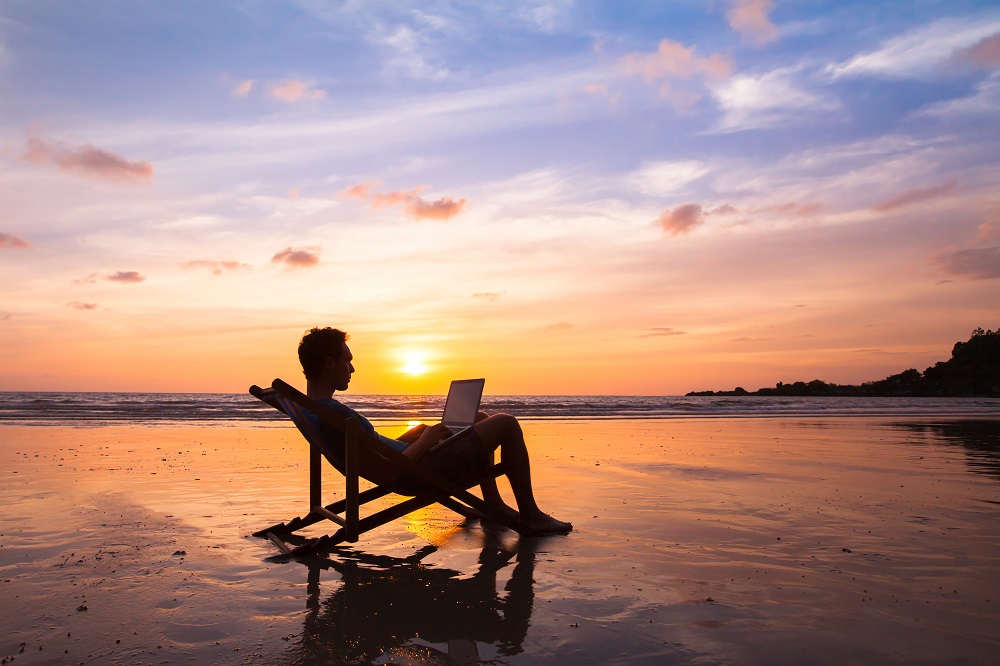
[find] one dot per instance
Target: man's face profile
(341, 368)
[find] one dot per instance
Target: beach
(785, 540)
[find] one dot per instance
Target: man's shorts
(465, 458)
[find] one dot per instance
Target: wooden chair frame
(365, 456)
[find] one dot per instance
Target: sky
(563, 197)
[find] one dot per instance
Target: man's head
(324, 354)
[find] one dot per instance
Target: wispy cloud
(661, 331)
(12, 241)
(661, 179)
(218, 267)
(919, 53)
(297, 258)
(773, 99)
(86, 160)
(126, 277)
(295, 91)
(487, 296)
(79, 305)
(441, 209)
(750, 19)
(985, 53)
(984, 101)
(243, 88)
(977, 263)
(916, 195)
(680, 220)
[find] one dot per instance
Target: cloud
(798, 210)
(673, 60)
(413, 205)
(86, 160)
(301, 258)
(985, 101)
(985, 53)
(243, 88)
(660, 179)
(919, 53)
(915, 195)
(681, 220)
(773, 99)
(989, 229)
(660, 331)
(979, 264)
(750, 19)
(559, 326)
(78, 305)
(487, 296)
(295, 91)
(126, 277)
(11, 241)
(217, 267)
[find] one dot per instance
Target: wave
(135, 408)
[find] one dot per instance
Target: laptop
(461, 408)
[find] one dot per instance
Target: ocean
(93, 409)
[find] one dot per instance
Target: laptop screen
(463, 402)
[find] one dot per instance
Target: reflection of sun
(414, 364)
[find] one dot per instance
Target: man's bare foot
(546, 524)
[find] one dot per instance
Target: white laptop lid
(463, 402)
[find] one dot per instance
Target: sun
(414, 364)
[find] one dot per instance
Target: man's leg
(504, 431)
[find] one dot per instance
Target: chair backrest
(288, 399)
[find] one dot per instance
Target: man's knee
(499, 428)
(507, 423)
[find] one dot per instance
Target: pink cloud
(980, 264)
(915, 195)
(444, 208)
(990, 229)
(750, 19)
(413, 205)
(596, 88)
(13, 242)
(800, 210)
(296, 91)
(985, 53)
(681, 220)
(87, 160)
(674, 60)
(487, 295)
(301, 258)
(77, 305)
(661, 331)
(217, 267)
(126, 277)
(724, 209)
(243, 88)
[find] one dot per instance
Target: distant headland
(973, 369)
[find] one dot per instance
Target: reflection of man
(383, 602)
(327, 364)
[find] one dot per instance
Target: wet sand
(743, 541)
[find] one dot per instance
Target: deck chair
(364, 456)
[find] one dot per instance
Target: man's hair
(316, 346)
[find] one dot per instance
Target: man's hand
(431, 436)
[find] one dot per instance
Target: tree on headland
(973, 369)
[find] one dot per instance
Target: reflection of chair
(404, 609)
(366, 457)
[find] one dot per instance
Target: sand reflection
(390, 607)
